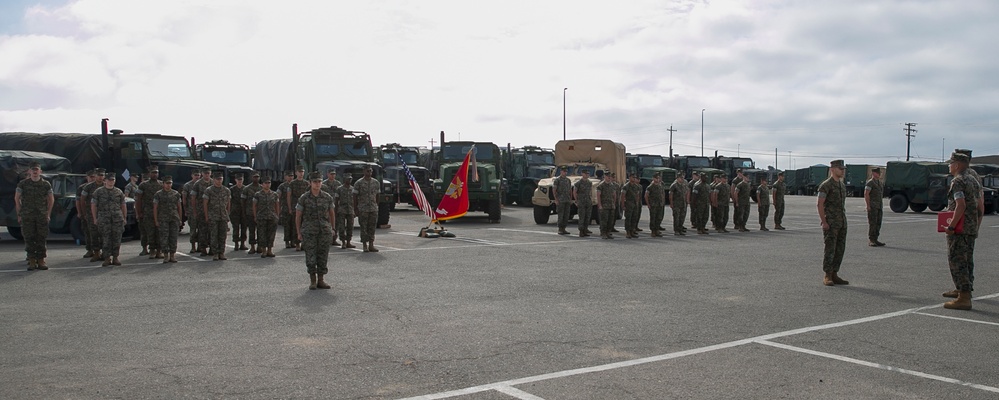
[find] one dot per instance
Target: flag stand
(434, 230)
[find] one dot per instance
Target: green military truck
(989, 173)
(523, 168)
(484, 194)
(234, 157)
(646, 166)
(390, 158)
(807, 180)
(916, 185)
(593, 155)
(856, 178)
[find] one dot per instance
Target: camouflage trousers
(779, 212)
(585, 216)
(961, 257)
(204, 234)
(562, 210)
(742, 214)
(316, 240)
(110, 234)
(288, 223)
(607, 220)
(656, 214)
(679, 216)
(345, 226)
(702, 215)
(714, 217)
(631, 216)
(764, 210)
(835, 246)
(150, 234)
(874, 223)
(266, 230)
(294, 230)
(238, 227)
(35, 230)
(723, 210)
(167, 234)
(95, 244)
(192, 226)
(693, 216)
(85, 227)
(218, 231)
(251, 230)
(368, 221)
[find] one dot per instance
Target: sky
(788, 83)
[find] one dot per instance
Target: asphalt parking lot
(512, 310)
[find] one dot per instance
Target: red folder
(944, 219)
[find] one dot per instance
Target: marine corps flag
(454, 204)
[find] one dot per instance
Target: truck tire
(917, 207)
(15, 231)
(541, 215)
(383, 213)
(494, 211)
(937, 207)
(76, 230)
(898, 203)
(526, 194)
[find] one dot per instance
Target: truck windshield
(389, 157)
(650, 161)
(227, 156)
(457, 153)
(335, 149)
(744, 163)
(171, 148)
(698, 162)
(541, 158)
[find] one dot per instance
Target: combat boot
(763, 228)
(215, 257)
(952, 294)
(298, 247)
(194, 248)
(32, 264)
(312, 281)
(827, 280)
(321, 284)
(204, 252)
(90, 253)
(41, 264)
(107, 261)
(364, 245)
(563, 232)
(335, 243)
(371, 247)
(97, 257)
(253, 249)
(270, 252)
(173, 257)
(963, 301)
(839, 281)
(222, 255)
(152, 254)
(263, 252)
(349, 245)
(779, 227)
(638, 230)
(144, 252)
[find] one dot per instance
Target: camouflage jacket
(584, 193)
(330, 186)
(109, 203)
(607, 195)
(34, 197)
(131, 190)
(743, 192)
(563, 188)
(834, 193)
(218, 203)
(657, 194)
(965, 186)
(297, 188)
(366, 191)
(237, 206)
(632, 195)
(199, 194)
(678, 191)
(186, 191)
(166, 202)
(247, 195)
(876, 192)
(282, 191)
(146, 191)
(344, 199)
(315, 209)
(702, 192)
(724, 194)
(763, 194)
(265, 201)
(780, 189)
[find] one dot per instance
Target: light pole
(702, 132)
(563, 112)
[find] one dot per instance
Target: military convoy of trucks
(593, 155)
(391, 157)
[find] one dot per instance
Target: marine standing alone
(831, 205)
(780, 188)
(33, 201)
(366, 206)
(873, 195)
(314, 218)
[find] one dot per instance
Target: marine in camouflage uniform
(83, 212)
(237, 214)
(742, 192)
(832, 213)
(95, 240)
(655, 198)
(296, 189)
(582, 193)
(144, 211)
(217, 203)
(344, 206)
(33, 201)
(266, 209)
(695, 178)
(314, 216)
(108, 208)
(606, 202)
(724, 199)
(167, 210)
(702, 192)
(873, 197)
(330, 185)
(678, 203)
(247, 196)
(191, 208)
(763, 203)
(286, 220)
(204, 235)
(631, 201)
(366, 207)
(132, 187)
(562, 193)
(964, 199)
(779, 190)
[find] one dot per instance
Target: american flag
(421, 200)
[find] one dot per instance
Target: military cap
(92, 173)
(704, 174)
(109, 175)
(206, 170)
(100, 171)
(836, 164)
(300, 168)
(289, 173)
(657, 175)
(34, 164)
(959, 157)
(153, 168)
(218, 174)
(237, 176)
(167, 179)
(315, 176)
(585, 171)
(255, 174)
(876, 169)
(331, 172)
(563, 168)
(966, 152)
(612, 174)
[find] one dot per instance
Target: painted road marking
(958, 319)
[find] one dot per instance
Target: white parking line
(958, 319)
(520, 394)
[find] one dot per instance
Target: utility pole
(908, 137)
(432, 143)
(671, 130)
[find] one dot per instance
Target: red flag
(454, 204)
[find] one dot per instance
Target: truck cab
(523, 168)
(484, 194)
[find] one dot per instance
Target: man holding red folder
(964, 199)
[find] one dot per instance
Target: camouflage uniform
(366, 194)
(763, 203)
(84, 215)
(131, 189)
(876, 195)
(94, 242)
(34, 215)
(693, 202)
(584, 203)
(330, 186)
(344, 202)
(632, 195)
(657, 204)
(714, 208)
(247, 195)
(724, 199)
(237, 214)
(111, 223)
(204, 235)
(780, 189)
(218, 198)
(678, 192)
(742, 210)
(563, 190)
(317, 230)
(607, 199)
(961, 246)
(285, 219)
(191, 210)
(150, 235)
(834, 193)
(266, 218)
(702, 193)
(297, 188)
(167, 202)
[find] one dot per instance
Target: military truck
(916, 185)
(523, 168)
(808, 179)
(688, 165)
(234, 157)
(485, 194)
(272, 157)
(989, 173)
(388, 156)
(14, 166)
(593, 155)
(856, 178)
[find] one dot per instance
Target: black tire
(937, 207)
(898, 203)
(76, 230)
(383, 213)
(541, 215)
(15, 231)
(526, 194)
(494, 210)
(917, 207)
